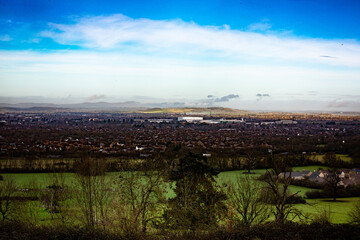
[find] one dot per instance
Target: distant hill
(130, 106)
(31, 109)
(166, 108)
(196, 111)
(86, 106)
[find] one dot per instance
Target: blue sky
(267, 55)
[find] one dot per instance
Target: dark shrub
(314, 194)
(296, 199)
(348, 191)
(307, 183)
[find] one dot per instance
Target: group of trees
(130, 201)
(199, 202)
(247, 159)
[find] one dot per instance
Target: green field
(338, 210)
(22, 179)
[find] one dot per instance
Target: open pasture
(338, 210)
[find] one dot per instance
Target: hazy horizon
(250, 55)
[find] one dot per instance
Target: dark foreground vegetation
(132, 205)
(295, 231)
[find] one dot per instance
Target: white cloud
(260, 96)
(179, 37)
(123, 57)
(85, 72)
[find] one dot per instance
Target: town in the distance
(222, 135)
(281, 163)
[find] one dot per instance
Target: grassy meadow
(338, 211)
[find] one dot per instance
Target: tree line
(248, 159)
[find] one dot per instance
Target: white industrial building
(223, 120)
(160, 120)
(190, 119)
(211, 121)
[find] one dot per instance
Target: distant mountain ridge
(151, 108)
(85, 105)
(119, 106)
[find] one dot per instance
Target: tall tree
(333, 180)
(139, 197)
(7, 192)
(278, 180)
(198, 202)
(55, 195)
(92, 190)
(246, 199)
(251, 159)
(354, 214)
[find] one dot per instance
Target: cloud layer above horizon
(178, 37)
(116, 55)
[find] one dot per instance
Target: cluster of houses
(135, 134)
(347, 176)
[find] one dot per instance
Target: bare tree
(278, 180)
(55, 194)
(29, 211)
(92, 191)
(333, 180)
(246, 199)
(251, 159)
(355, 213)
(7, 192)
(138, 196)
